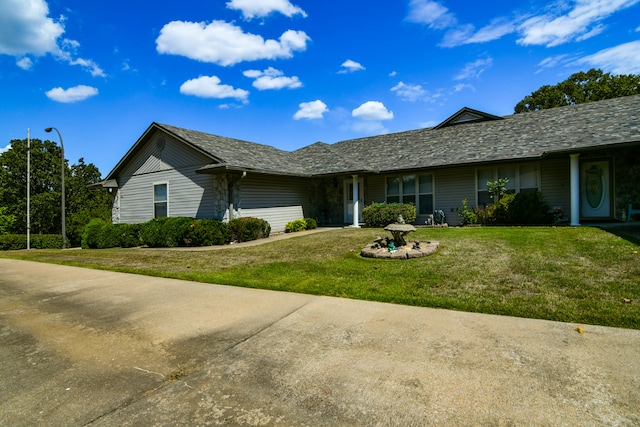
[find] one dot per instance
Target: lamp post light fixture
(64, 234)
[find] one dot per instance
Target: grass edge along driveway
(572, 274)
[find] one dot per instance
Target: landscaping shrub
(500, 213)
(530, 209)
(37, 241)
(164, 232)
(311, 223)
(295, 225)
(383, 214)
(206, 232)
(467, 215)
(100, 234)
(91, 233)
(128, 235)
(516, 209)
(247, 229)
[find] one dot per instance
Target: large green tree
(82, 203)
(593, 85)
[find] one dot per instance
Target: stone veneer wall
(221, 203)
(627, 179)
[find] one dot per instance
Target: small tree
(497, 188)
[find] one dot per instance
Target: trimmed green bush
(100, 234)
(14, 241)
(91, 233)
(128, 235)
(311, 223)
(206, 232)
(172, 232)
(295, 225)
(516, 209)
(164, 232)
(530, 209)
(247, 229)
(383, 214)
(38, 241)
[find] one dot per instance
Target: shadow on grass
(629, 231)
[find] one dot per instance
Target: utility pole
(28, 188)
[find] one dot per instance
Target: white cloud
(621, 59)
(89, 65)
(594, 32)
(431, 13)
(261, 8)
(552, 61)
(498, 28)
(350, 66)
(311, 110)
(579, 22)
(372, 110)
(272, 79)
(5, 149)
(73, 94)
(25, 28)
(225, 44)
(210, 87)
(462, 86)
(25, 63)
(474, 69)
(369, 127)
(409, 92)
(562, 21)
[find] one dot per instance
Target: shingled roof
(516, 137)
(239, 154)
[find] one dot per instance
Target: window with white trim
(414, 189)
(160, 200)
(523, 178)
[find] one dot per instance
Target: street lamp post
(64, 234)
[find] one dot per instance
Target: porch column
(356, 202)
(575, 189)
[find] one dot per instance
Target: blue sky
(287, 73)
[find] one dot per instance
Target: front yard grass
(582, 275)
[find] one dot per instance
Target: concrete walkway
(87, 347)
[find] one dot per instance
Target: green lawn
(581, 275)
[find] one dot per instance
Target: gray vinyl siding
(450, 187)
(555, 183)
(374, 189)
(277, 200)
(189, 194)
(167, 161)
(155, 156)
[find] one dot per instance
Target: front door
(348, 200)
(595, 189)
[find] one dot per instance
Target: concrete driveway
(87, 347)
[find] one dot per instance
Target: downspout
(575, 189)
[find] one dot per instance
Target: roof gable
(466, 115)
